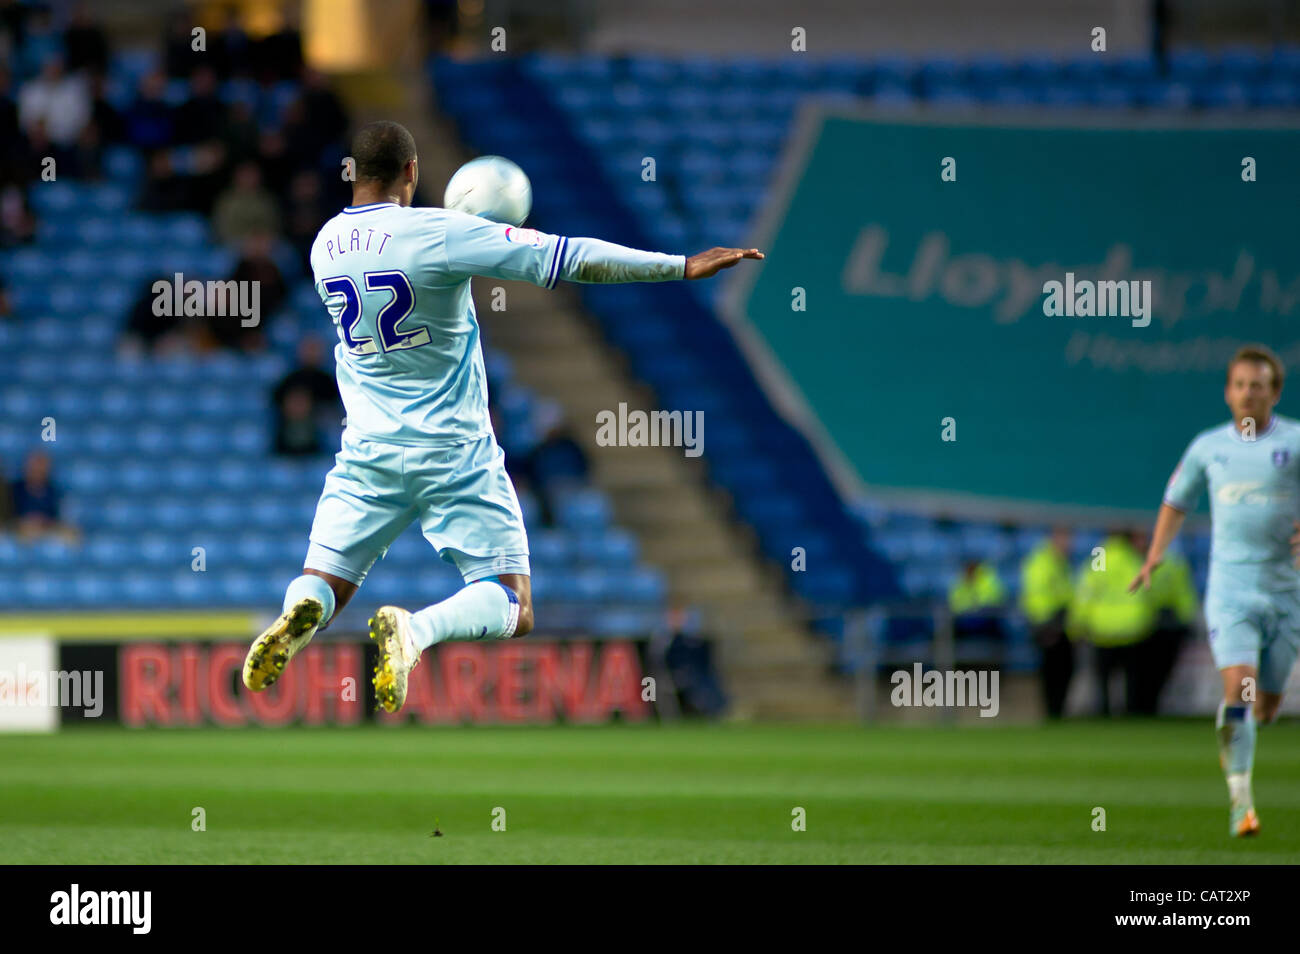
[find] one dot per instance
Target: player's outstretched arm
(469, 245)
(595, 261)
(1168, 522)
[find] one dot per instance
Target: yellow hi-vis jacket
(1045, 586)
(1172, 589)
(1103, 611)
(983, 591)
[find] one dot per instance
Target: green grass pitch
(685, 793)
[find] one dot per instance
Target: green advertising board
(899, 317)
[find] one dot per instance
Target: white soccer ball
(493, 187)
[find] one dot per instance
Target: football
(492, 187)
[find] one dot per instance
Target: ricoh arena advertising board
(46, 682)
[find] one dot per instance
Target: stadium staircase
(770, 666)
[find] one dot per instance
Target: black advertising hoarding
(536, 682)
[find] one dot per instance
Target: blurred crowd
(1071, 611)
(240, 132)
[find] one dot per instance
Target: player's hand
(1143, 580)
(1295, 544)
(709, 263)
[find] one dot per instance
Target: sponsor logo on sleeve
(524, 236)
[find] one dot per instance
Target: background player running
(1251, 467)
(419, 442)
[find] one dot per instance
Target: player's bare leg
(311, 600)
(499, 607)
(1235, 727)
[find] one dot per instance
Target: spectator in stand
(38, 501)
(165, 190)
(230, 48)
(555, 464)
(56, 102)
(84, 44)
(278, 164)
(255, 265)
(40, 40)
(202, 115)
(6, 306)
(34, 147)
(323, 111)
(245, 208)
(86, 158)
(305, 213)
(149, 121)
(13, 28)
(14, 158)
(312, 377)
(150, 333)
(306, 402)
(279, 55)
(197, 157)
(104, 116)
(179, 56)
(302, 147)
(17, 224)
(298, 432)
(238, 133)
(688, 657)
(6, 500)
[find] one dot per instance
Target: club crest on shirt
(524, 236)
(1280, 458)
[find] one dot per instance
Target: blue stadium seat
(583, 510)
(550, 547)
(87, 478)
(829, 585)
(642, 586)
(139, 476)
(159, 550)
(109, 550)
(123, 163)
(172, 514)
(622, 621)
(92, 588)
(45, 588)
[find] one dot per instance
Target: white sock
(485, 609)
(315, 587)
(1239, 789)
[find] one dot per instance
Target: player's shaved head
(381, 151)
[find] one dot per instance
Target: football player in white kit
(419, 442)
